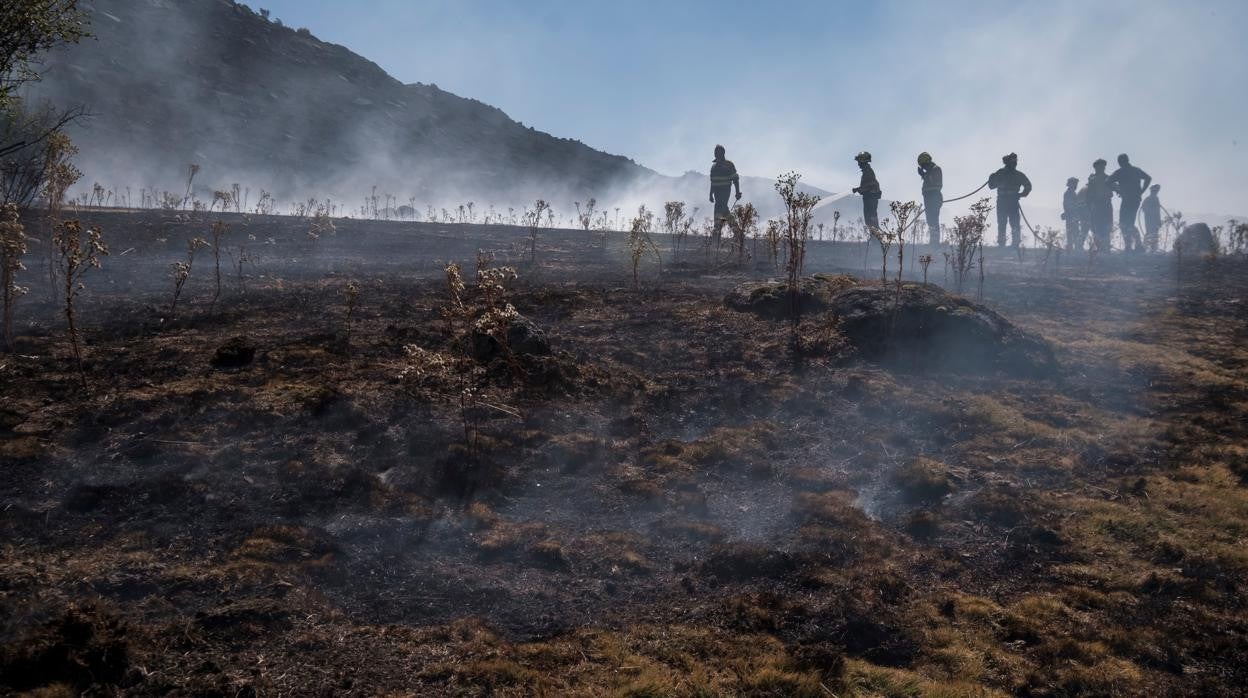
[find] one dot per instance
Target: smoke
(804, 90)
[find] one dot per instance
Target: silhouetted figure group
(1091, 209)
(1086, 210)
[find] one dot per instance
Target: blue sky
(804, 85)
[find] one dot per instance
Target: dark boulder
(1197, 239)
(923, 325)
(523, 338)
(235, 353)
(772, 299)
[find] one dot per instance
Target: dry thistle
(925, 261)
(351, 294)
(219, 230)
(12, 247)
(639, 241)
(798, 211)
(456, 287)
(968, 237)
(182, 270)
(533, 219)
(747, 219)
(74, 257)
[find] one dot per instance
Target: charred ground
(671, 502)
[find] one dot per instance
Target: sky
(804, 85)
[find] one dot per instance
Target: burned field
(305, 488)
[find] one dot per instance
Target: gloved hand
(712, 199)
(920, 171)
(738, 196)
(1063, 216)
(854, 190)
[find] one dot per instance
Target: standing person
(1101, 207)
(1011, 185)
(869, 188)
(1070, 214)
(1081, 208)
(933, 182)
(724, 178)
(1130, 182)
(1152, 218)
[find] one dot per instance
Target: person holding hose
(933, 183)
(869, 188)
(1011, 186)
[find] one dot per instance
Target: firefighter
(1101, 207)
(1071, 214)
(869, 188)
(1011, 185)
(1130, 183)
(1152, 218)
(933, 182)
(724, 179)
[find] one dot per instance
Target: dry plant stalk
(798, 212)
(639, 241)
(456, 287)
(904, 214)
(925, 261)
(533, 219)
(673, 218)
(59, 177)
(747, 219)
(182, 270)
(884, 237)
(75, 257)
(496, 312)
(12, 247)
(968, 238)
(1051, 238)
(351, 294)
(585, 216)
(191, 171)
(219, 230)
(771, 238)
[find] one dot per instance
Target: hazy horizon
(784, 88)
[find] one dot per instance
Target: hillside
(213, 83)
(273, 108)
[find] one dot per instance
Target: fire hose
(919, 213)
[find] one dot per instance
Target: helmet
(1155, 188)
(924, 158)
(1011, 158)
(1072, 180)
(1123, 159)
(1099, 162)
(864, 156)
(719, 151)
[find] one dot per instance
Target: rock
(926, 326)
(524, 338)
(1197, 239)
(235, 353)
(923, 325)
(771, 299)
